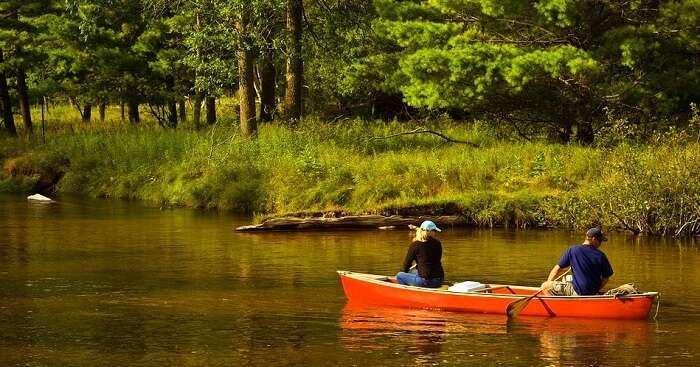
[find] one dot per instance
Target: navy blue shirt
(589, 265)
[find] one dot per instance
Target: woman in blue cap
(426, 251)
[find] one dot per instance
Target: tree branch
(423, 130)
(159, 114)
(76, 104)
(623, 222)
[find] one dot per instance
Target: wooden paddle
(515, 307)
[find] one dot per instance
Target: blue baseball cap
(429, 226)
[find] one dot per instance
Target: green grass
(345, 167)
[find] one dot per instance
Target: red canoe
(383, 290)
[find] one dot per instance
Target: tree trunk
(134, 116)
(267, 91)
(23, 97)
(199, 95)
(182, 111)
(87, 112)
(211, 110)
(5, 102)
(564, 128)
(43, 119)
(103, 111)
(292, 98)
(584, 133)
(563, 133)
(245, 84)
(267, 70)
(172, 114)
(584, 115)
(121, 111)
(22, 93)
(197, 109)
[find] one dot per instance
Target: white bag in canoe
(465, 287)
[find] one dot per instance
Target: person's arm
(410, 256)
(553, 273)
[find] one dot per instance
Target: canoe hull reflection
(382, 290)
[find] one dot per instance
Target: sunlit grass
(350, 166)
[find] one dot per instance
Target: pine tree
(559, 66)
(18, 39)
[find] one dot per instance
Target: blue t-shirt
(589, 266)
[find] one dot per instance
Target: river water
(110, 283)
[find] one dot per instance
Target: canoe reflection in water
(588, 341)
(419, 333)
(426, 333)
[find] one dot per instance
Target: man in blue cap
(591, 268)
(426, 251)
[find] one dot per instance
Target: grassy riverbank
(344, 167)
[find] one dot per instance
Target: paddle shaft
(515, 307)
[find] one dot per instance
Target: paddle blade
(515, 307)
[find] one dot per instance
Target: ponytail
(421, 235)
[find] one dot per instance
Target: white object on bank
(38, 197)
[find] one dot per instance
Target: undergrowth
(357, 166)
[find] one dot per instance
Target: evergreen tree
(90, 56)
(547, 65)
(18, 34)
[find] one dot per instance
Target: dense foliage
(578, 111)
(556, 69)
(555, 65)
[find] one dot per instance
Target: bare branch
(423, 130)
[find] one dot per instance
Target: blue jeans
(414, 279)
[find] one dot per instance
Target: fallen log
(351, 221)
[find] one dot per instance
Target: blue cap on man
(428, 225)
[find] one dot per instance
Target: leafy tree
(208, 49)
(90, 57)
(17, 36)
(169, 78)
(235, 27)
(552, 65)
(338, 37)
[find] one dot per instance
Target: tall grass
(350, 167)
